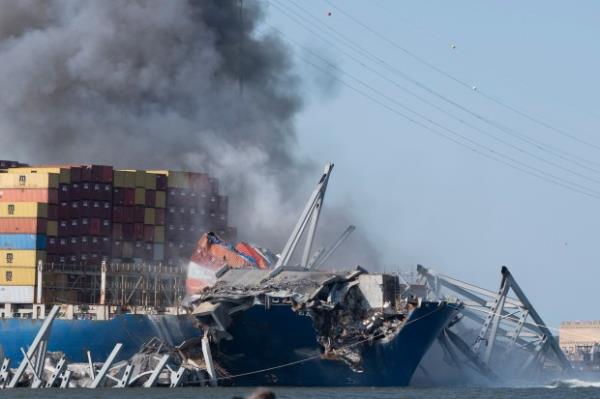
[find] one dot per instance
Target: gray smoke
(159, 84)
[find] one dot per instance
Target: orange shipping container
(46, 195)
(22, 225)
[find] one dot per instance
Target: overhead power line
(460, 120)
(461, 82)
(314, 21)
(466, 142)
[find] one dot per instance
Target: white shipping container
(16, 294)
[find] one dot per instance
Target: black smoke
(171, 84)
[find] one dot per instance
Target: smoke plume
(159, 84)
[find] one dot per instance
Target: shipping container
(148, 233)
(127, 247)
(158, 252)
(159, 216)
(150, 201)
(23, 225)
(138, 231)
(159, 233)
(102, 173)
(23, 209)
(139, 214)
(17, 276)
(52, 228)
(149, 216)
(47, 195)
(17, 295)
(149, 181)
(63, 192)
(22, 241)
(10, 164)
(21, 258)
(161, 182)
(64, 174)
(174, 179)
(140, 196)
(128, 231)
(122, 178)
(160, 199)
(29, 180)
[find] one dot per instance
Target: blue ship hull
(268, 339)
(75, 337)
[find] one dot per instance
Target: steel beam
(151, 381)
(106, 366)
(37, 341)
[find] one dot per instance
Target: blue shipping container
(158, 252)
(22, 241)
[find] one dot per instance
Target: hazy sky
(427, 200)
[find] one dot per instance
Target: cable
(559, 153)
(461, 82)
(540, 173)
(460, 120)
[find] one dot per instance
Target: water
(568, 389)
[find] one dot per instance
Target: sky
(423, 198)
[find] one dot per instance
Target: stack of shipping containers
(28, 216)
(193, 207)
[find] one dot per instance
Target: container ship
(130, 255)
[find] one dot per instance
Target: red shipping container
(86, 173)
(63, 191)
(150, 198)
(97, 190)
(22, 226)
(161, 182)
(148, 233)
(95, 224)
(105, 228)
(95, 245)
(117, 231)
(74, 210)
(75, 191)
(118, 196)
(64, 228)
(45, 195)
(75, 174)
(64, 210)
(51, 246)
(106, 212)
(128, 214)
(107, 192)
(139, 212)
(138, 231)
(129, 196)
(117, 214)
(117, 249)
(199, 181)
(52, 212)
(159, 217)
(86, 190)
(128, 231)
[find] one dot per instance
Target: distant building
(580, 341)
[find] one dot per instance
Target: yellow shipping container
(52, 228)
(124, 178)
(140, 196)
(159, 233)
(149, 181)
(23, 210)
(161, 199)
(149, 216)
(17, 275)
(21, 257)
(174, 179)
(28, 180)
(64, 174)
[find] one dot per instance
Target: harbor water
(564, 390)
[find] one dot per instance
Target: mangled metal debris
(348, 310)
